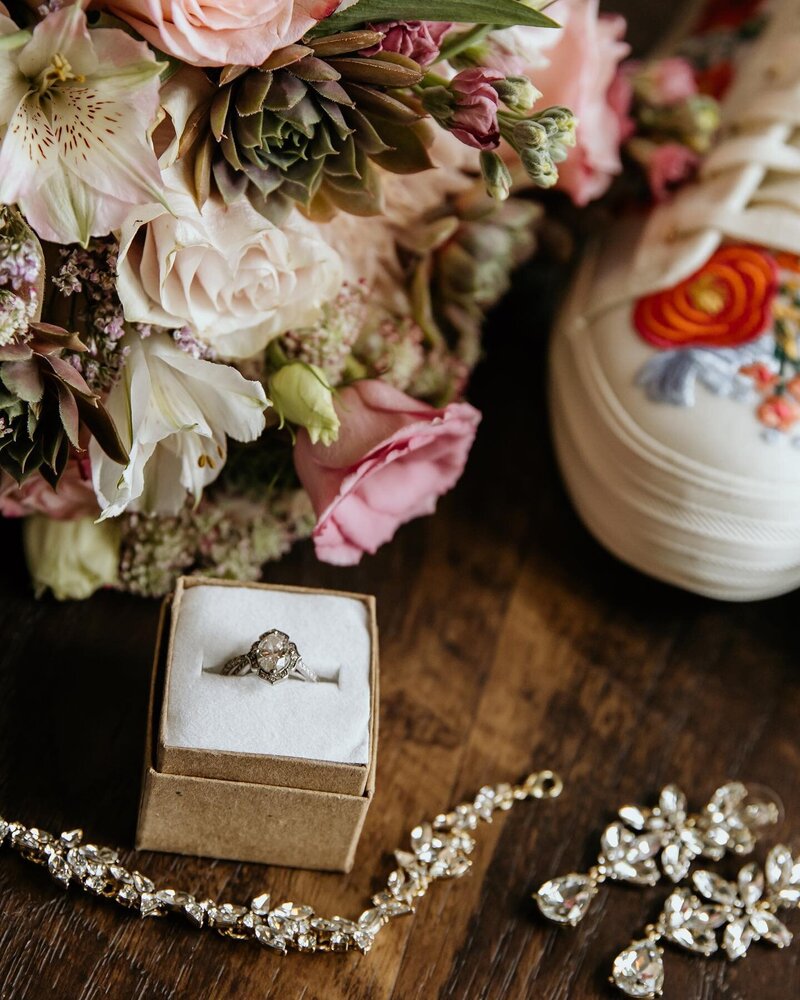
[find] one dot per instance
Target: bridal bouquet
(246, 249)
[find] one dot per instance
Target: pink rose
(582, 69)
(576, 68)
(474, 117)
(668, 166)
(394, 458)
(74, 497)
(220, 32)
(620, 100)
(418, 40)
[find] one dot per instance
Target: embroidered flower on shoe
(728, 302)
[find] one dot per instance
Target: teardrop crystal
(566, 899)
(639, 970)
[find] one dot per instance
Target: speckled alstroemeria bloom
(75, 109)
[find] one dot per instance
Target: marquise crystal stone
(639, 970)
(630, 856)
(567, 898)
(690, 923)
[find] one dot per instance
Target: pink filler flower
(417, 40)
(474, 118)
(669, 165)
(221, 32)
(663, 82)
(394, 458)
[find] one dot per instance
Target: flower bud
(301, 395)
(693, 122)
(528, 135)
(539, 166)
(496, 175)
(517, 93)
(541, 142)
(71, 558)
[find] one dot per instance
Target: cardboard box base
(291, 827)
(245, 813)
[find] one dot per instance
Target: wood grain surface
(510, 641)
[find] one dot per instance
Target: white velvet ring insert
(327, 721)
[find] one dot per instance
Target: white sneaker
(675, 371)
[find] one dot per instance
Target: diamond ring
(273, 657)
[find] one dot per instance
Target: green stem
(430, 80)
(455, 45)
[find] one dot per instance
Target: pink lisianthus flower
(73, 498)
(575, 68)
(669, 165)
(418, 40)
(394, 458)
(474, 117)
(75, 109)
(221, 32)
(663, 82)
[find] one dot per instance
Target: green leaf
(98, 420)
(350, 41)
(48, 339)
(408, 152)
(23, 379)
(503, 13)
(376, 102)
(68, 410)
(380, 71)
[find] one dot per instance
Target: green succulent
(308, 126)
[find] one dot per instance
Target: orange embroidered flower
(779, 412)
(726, 303)
(788, 262)
(763, 376)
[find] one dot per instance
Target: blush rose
(232, 278)
(394, 458)
(220, 32)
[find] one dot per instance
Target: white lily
(174, 413)
(75, 109)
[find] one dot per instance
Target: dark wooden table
(510, 641)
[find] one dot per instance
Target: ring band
(273, 657)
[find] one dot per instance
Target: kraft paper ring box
(240, 769)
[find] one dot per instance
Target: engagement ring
(273, 657)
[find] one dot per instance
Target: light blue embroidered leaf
(672, 376)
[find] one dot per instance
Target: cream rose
(220, 32)
(233, 278)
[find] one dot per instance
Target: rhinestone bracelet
(439, 850)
